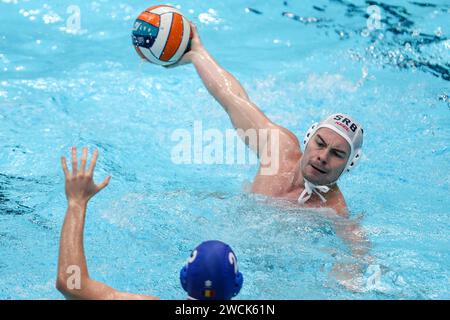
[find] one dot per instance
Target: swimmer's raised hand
(196, 48)
(80, 186)
(73, 279)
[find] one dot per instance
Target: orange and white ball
(161, 35)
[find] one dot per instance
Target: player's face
(325, 157)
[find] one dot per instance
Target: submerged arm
(353, 235)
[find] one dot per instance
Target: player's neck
(298, 181)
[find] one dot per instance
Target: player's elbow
(64, 285)
(61, 285)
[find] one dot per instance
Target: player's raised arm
(230, 94)
(73, 279)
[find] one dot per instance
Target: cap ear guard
(184, 270)
(239, 280)
(238, 277)
(354, 161)
(310, 133)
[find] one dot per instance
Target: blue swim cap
(211, 272)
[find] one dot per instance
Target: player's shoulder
(287, 140)
(289, 135)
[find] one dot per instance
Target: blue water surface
(299, 61)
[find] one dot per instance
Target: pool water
(64, 84)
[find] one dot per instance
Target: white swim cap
(347, 128)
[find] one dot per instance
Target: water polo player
(211, 272)
(332, 146)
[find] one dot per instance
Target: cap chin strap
(311, 188)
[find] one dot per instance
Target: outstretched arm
(230, 94)
(73, 279)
